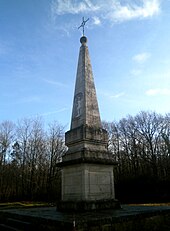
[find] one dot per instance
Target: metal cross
(83, 24)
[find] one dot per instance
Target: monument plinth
(87, 167)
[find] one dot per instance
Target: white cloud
(114, 11)
(142, 57)
(73, 6)
(131, 10)
(117, 95)
(52, 82)
(158, 91)
(54, 112)
(96, 20)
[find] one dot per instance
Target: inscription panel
(72, 185)
(100, 185)
(72, 178)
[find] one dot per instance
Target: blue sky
(129, 45)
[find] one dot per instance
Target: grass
(29, 204)
(151, 204)
(23, 204)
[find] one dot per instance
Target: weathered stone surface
(86, 182)
(87, 167)
(85, 105)
(86, 138)
(87, 134)
(88, 205)
(87, 156)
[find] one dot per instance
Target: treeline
(28, 157)
(140, 145)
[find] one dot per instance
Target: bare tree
(7, 133)
(150, 126)
(55, 149)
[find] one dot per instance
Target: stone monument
(87, 166)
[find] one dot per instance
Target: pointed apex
(83, 40)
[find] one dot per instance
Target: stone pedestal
(87, 171)
(87, 186)
(87, 182)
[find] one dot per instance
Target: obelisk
(87, 166)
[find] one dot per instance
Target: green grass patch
(23, 204)
(151, 204)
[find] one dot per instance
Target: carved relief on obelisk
(77, 111)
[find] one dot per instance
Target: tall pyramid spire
(87, 166)
(86, 129)
(85, 105)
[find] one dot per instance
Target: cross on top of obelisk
(83, 24)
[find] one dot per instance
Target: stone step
(4, 227)
(19, 224)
